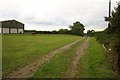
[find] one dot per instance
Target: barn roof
(12, 24)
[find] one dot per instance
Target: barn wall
(11, 26)
(5, 30)
(20, 31)
(13, 30)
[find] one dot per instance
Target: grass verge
(94, 64)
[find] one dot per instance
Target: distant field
(19, 49)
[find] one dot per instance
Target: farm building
(11, 26)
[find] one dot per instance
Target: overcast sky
(56, 14)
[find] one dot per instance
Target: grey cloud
(44, 13)
(9, 14)
(55, 21)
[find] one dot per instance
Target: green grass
(19, 50)
(58, 65)
(94, 64)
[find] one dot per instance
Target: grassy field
(94, 64)
(19, 50)
(59, 64)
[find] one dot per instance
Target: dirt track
(28, 70)
(80, 50)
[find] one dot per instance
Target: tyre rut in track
(80, 50)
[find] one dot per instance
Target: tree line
(76, 29)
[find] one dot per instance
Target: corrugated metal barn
(11, 26)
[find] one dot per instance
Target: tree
(77, 29)
(114, 28)
(114, 21)
(90, 33)
(63, 31)
(54, 32)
